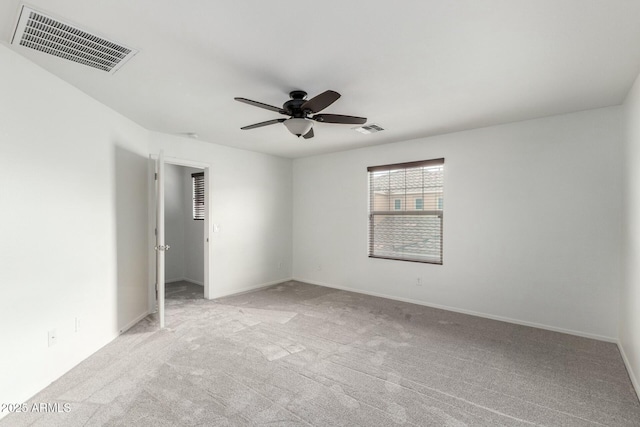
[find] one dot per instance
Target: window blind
(406, 211)
(198, 195)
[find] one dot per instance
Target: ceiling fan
(303, 112)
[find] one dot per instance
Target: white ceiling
(416, 68)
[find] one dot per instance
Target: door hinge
(155, 176)
(155, 231)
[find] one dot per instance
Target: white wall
(630, 297)
(73, 215)
(251, 197)
(193, 232)
(531, 222)
(174, 223)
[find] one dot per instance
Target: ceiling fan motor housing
(298, 94)
(293, 105)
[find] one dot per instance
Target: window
(411, 231)
(197, 180)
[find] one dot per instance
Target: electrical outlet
(53, 337)
(77, 324)
(418, 281)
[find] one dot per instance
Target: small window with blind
(405, 211)
(197, 180)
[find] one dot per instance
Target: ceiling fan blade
(337, 118)
(320, 102)
(261, 105)
(267, 123)
(309, 134)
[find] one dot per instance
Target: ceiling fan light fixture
(298, 126)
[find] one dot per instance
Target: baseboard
(632, 375)
(247, 289)
(185, 279)
(195, 282)
(463, 311)
(133, 322)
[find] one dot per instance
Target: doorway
(184, 231)
(178, 232)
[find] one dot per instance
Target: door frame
(208, 286)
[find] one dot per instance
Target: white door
(161, 247)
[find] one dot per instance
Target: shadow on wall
(131, 235)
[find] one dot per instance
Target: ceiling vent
(38, 31)
(368, 129)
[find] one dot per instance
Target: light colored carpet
(297, 355)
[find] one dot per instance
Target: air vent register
(43, 33)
